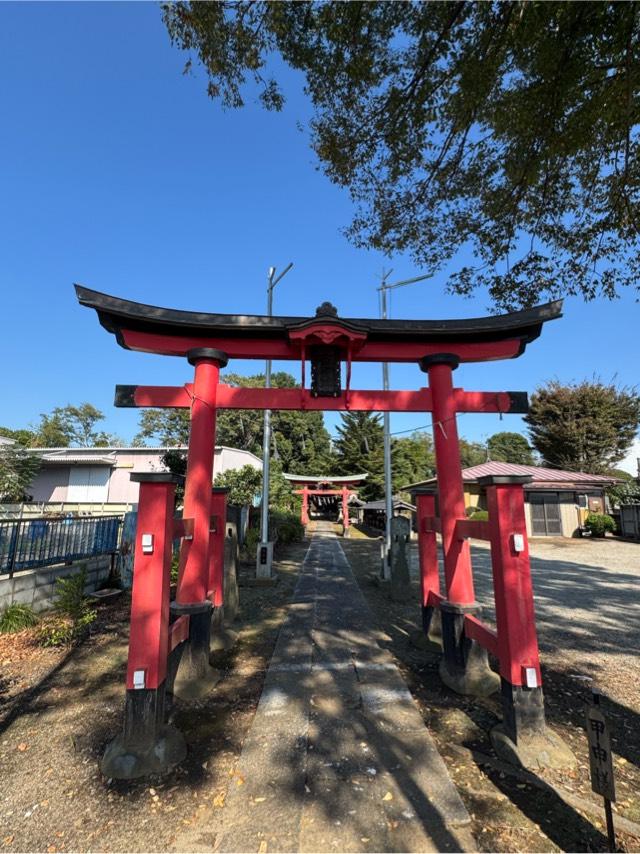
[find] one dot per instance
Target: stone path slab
(338, 757)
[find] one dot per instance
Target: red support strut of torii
(179, 663)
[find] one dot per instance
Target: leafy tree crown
(510, 127)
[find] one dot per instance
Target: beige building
(556, 502)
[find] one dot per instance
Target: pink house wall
(50, 484)
(52, 481)
(121, 489)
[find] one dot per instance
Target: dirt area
(58, 709)
(587, 601)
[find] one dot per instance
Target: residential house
(557, 502)
(102, 475)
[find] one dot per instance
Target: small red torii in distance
(342, 486)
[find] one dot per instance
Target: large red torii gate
(325, 341)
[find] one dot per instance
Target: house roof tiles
(557, 478)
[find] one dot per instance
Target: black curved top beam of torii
(325, 340)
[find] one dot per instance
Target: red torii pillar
(345, 507)
(465, 665)
(304, 512)
(521, 678)
(194, 676)
(147, 744)
(430, 597)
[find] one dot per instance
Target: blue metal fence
(29, 543)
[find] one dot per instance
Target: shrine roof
(304, 478)
(118, 315)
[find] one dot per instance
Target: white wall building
(102, 475)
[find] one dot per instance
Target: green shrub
(69, 599)
(56, 631)
(16, 617)
(285, 527)
(289, 533)
(599, 524)
(251, 542)
(63, 631)
(479, 516)
(74, 614)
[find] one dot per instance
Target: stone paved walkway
(338, 757)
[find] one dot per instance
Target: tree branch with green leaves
(508, 129)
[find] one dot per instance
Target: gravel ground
(587, 597)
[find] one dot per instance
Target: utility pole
(264, 557)
(388, 492)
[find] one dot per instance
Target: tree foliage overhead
(472, 453)
(63, 427)
(510, 128)
(507, 447)
(22, 436)
(587, 426)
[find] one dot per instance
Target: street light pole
(264, 557)
(388, 492)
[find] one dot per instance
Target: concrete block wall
(36, 587)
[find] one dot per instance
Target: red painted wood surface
(431, 524)
(478, 631)
(371, 351)
(216, 548)
(513, 591)
(469, 528)
(230, 397)
(322, 492)
(427, 548)
(345, 506)
(178, 631)
(182, 528)
(193, 575)
(457, 557)
(149, 632)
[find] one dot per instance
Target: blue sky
(118, 172)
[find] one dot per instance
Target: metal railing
(30, 543)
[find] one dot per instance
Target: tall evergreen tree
(587, 426)
(412, 459)
(360, 448)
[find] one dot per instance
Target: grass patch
(16, 617)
